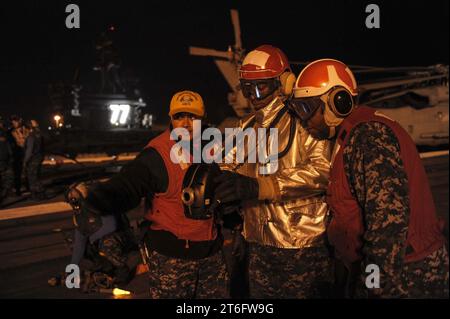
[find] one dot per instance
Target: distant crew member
(19, 133)
(34, 156)
(6, 161)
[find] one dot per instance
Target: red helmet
(320, 76)
(264, 62)
(325, 81)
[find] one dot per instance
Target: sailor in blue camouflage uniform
(387, 220)
(383, 226)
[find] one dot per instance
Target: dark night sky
(154, 36)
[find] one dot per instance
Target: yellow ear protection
(287, 81)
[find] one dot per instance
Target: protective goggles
(338, 99)
(305, 108)
(259, 89)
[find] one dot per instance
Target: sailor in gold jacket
(284, 210)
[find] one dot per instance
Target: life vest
(346, 226)
(167, 211)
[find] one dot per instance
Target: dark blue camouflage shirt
(378, 181)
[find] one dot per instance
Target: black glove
(85, 217)
(233, 186)
(230, 208)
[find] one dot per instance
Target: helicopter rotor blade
(208, 52)
(237, 28)
(398, 82)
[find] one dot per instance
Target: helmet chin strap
(331, 120)
(332, 132)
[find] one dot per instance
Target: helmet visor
(305, 108)
(258, 89)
